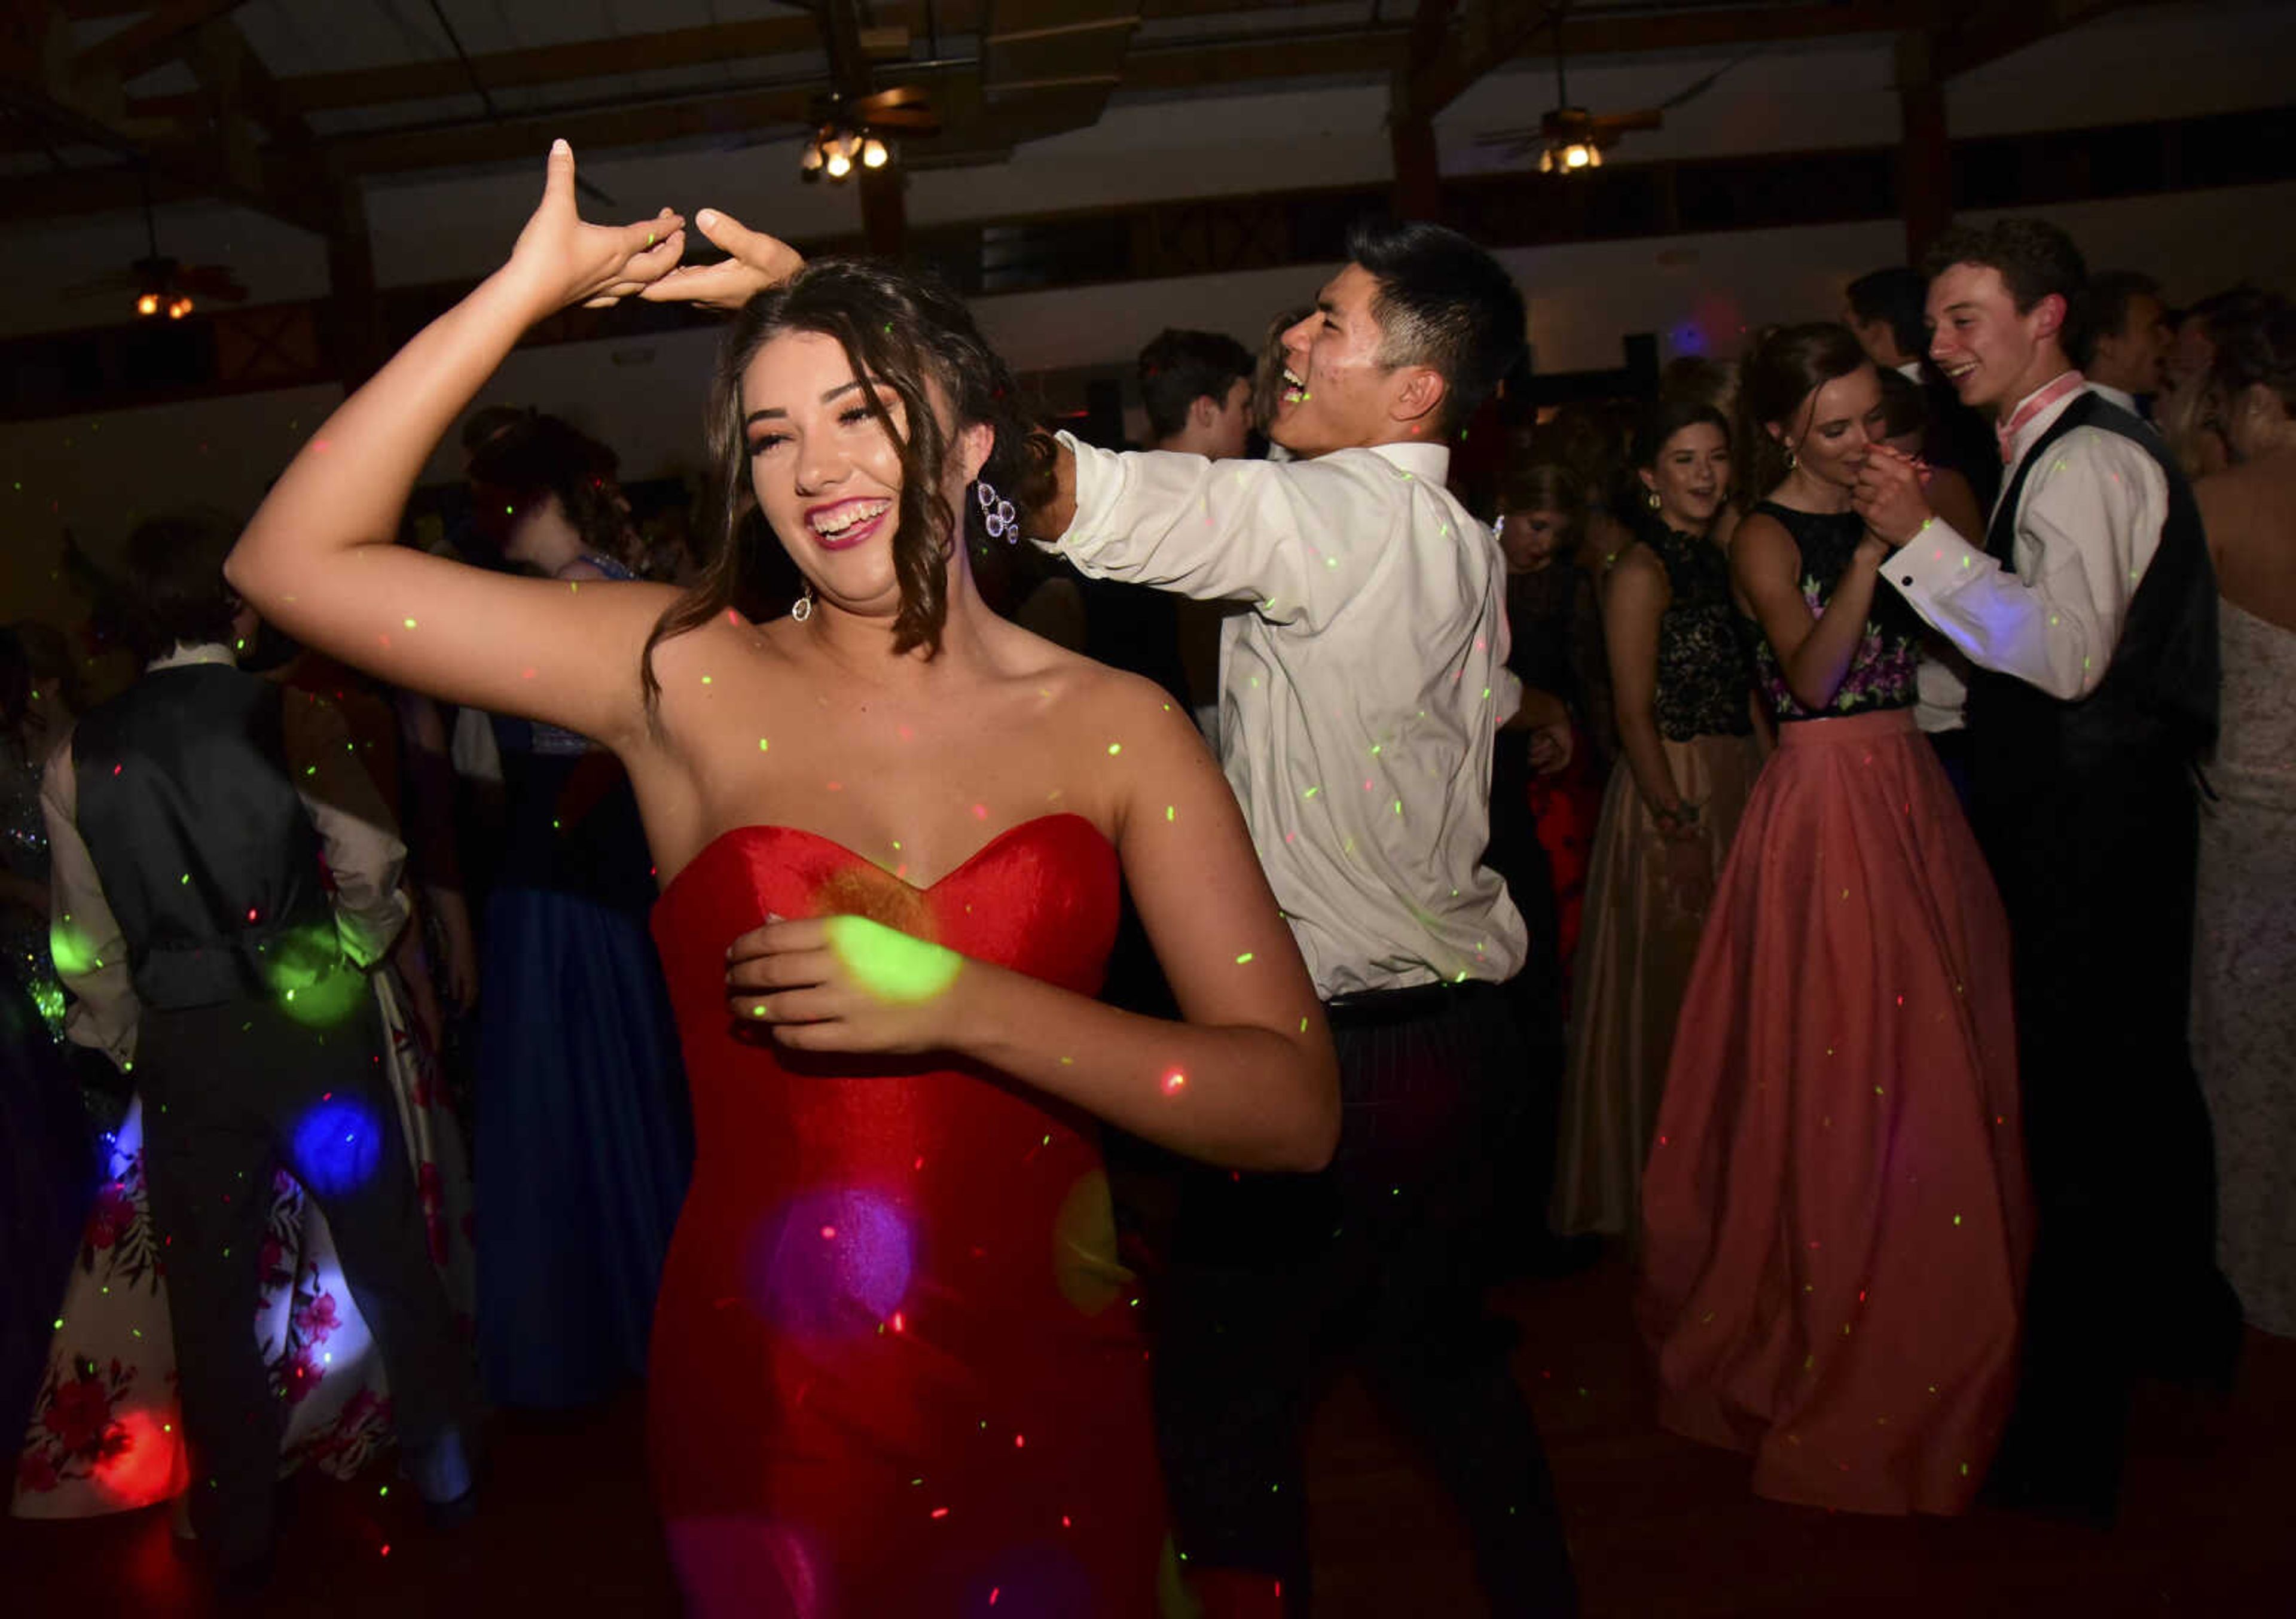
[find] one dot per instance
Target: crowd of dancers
(1824, 829)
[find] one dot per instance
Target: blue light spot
(338, 1146)
(834, 1262)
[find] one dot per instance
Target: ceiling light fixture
(835, 150)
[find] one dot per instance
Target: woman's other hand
(755, 262)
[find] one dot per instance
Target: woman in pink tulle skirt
(1835, 1213)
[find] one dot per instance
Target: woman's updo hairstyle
(904, 333)
(1786, 370)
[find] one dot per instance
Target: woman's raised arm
(319, 559)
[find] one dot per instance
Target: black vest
(2157, 703)
(205, 851)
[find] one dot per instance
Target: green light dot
(1244, 958)
(410, 623)
(761, 744)
(1115, 748)
(890, 964)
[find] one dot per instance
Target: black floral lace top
(1882, 670)
(1704, 672)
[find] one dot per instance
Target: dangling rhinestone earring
(996, 514)
(802, 608)
(1652, 497)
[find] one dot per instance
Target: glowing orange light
(149, 304)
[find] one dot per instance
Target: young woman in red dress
(895, 1366)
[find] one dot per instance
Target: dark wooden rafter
(1988, 31)
(161, 35)
(1482, 36)
(1410, 123)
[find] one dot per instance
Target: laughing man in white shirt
(1360, 699)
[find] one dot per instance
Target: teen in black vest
(2090, 615)
(188, 819)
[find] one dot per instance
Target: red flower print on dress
(316, 1321)
(36, 1475)
(113, 1210)
(303, 1375)
(429, 1187)
(79, 1414)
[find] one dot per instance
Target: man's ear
(1203, 410)
(2049, 315)
(1418, 395)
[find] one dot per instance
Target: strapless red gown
(897, 1368)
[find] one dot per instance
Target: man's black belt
(1382, 1008)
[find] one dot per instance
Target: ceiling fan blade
(917, 120)
(214, 280)
(1618, 123)
(877, 102)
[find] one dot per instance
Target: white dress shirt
(2087, 524)
(1360, 697)
(356, 833)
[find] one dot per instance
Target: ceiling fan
(1569, 138)
(163, 288)
(853, 130)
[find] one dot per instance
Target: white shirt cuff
(1933, 564)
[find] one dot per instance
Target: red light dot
(115, 769)
(250, 912)
(1064, 1522)
(1020, 1441)
(919, 1165)
(940, 1512)
(386, 1549)
(900, 1322)
(828, 1233)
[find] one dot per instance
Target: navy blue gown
(584, 1139)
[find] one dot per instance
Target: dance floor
(1659, 1526)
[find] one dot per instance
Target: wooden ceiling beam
(163, 34)
(1149, 65)
(2002, 28)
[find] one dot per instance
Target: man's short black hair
(2106, 307)
(1442, 302)
(2035, 259)
(1896, 293)
(1180, 367)
(171, 586)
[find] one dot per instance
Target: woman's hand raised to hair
(754, 262)
(560, 259)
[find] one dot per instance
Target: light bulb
(179, 308)
(1593, 157)
(872, 154)
(1574, 156)
(149, 304)
(811, 161)
(839, 165)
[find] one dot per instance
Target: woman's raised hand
(560, 259)
(755, 261)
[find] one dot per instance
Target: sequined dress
(1641, 933)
